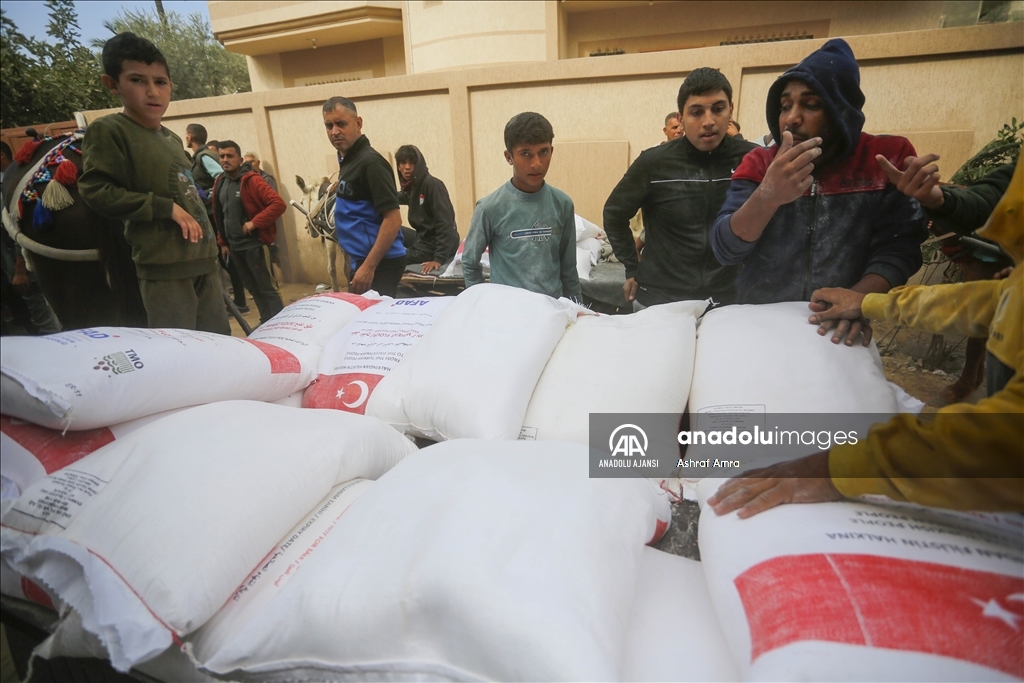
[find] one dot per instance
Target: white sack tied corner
(85, 379)
(857, 591)
(473, 374)
(358, 357)
(576, 382)
(515, 566)
(149, 536)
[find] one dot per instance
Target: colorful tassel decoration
(56, 197)
(41, 217)
(24, 154)
(67, 173)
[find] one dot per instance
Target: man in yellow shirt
(971, 457)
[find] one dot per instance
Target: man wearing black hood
(430, 212)
(815, 210)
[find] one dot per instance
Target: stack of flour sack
(200, 507)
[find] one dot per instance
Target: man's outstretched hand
(839, 309)
(919, 178)
(798, 481)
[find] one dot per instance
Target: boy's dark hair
(406, 153)
(130, 46)
(671, 115)
(701, 82)
(528, 128)
(212, 143)
(5, 149)
(228, 144)
(338, 101)
(737, 124)
(197, 131)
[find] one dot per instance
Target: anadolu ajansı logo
(631, 442)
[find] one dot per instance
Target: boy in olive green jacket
(137, 171)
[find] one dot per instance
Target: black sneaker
(243, 309)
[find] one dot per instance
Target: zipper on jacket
(704, 233)
(810, 240)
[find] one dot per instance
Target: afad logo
(119, 362)
(93, 334)
(631, 442)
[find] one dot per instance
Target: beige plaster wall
(632, 111)
(447, 35)
(265, 72)
(228, 15)
(676, 25)
(231, 125)
(366, 55)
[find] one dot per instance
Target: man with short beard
(816, 210)
(367, 220)
(245, 210)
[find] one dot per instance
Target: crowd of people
(828, 214)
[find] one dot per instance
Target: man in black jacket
(680, 185)
(430, 212)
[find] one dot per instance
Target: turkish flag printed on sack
(348, 391)
(885, 602)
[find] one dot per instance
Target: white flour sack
(304, 327)
(454, 268)
(578, 380)
(368, 348)
(85, 379)
(767, 358)
(29, 452)
(472, 375)
(277, 568)
(586, 230)
(515, 566)
(863, 592)
(149, 536)
(674, 634)
(583, 262)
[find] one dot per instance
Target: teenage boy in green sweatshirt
(529, 226)
(137, 171)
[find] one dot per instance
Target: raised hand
(919, 178)
(789, 174)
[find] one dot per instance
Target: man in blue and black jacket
(816, 210)
(366, 217)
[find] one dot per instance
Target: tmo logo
(629, 441)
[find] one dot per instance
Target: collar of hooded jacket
(832, 71)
